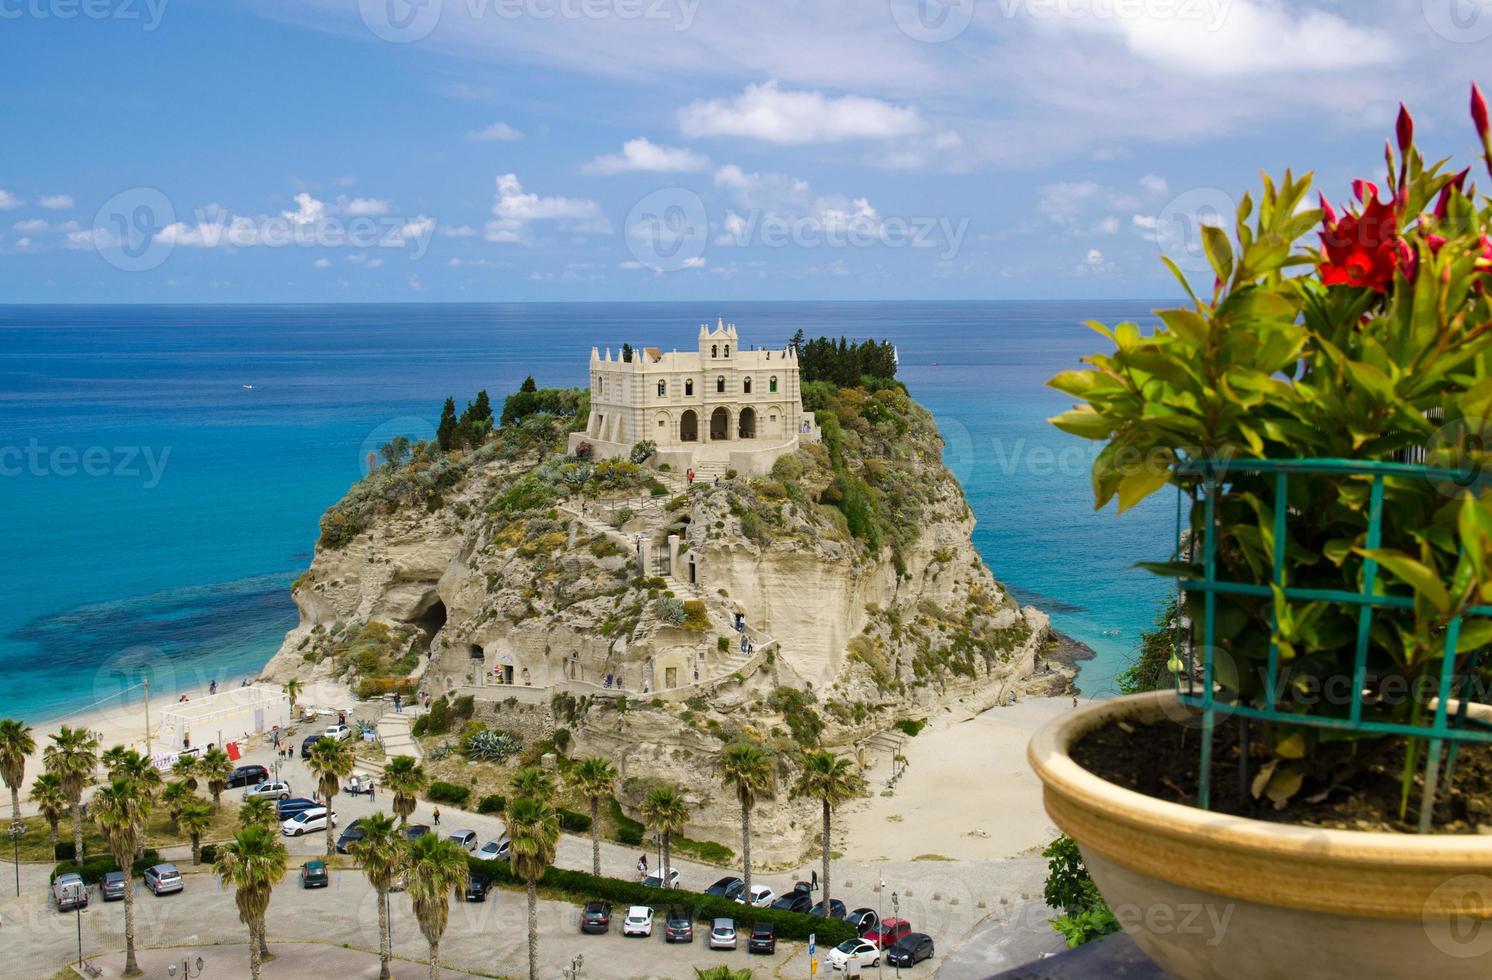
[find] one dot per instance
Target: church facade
(718, 404)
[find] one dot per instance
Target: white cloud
(694, 262)
(367, 262)
(515, 210)
(414, 281)
(366, 206)
(57, 202)
(23, 242)
(8, 201)
(1154, 184)
(766, 112)
(322, 263)
(308, 210)
(458, 231)
(641, 155)
(497, 132)
(31, 226)
(775, 199)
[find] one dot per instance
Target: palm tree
(721, 973)
(253, 862)
(141, 772)
(112, 759)
(120, 809)
(216, 768)
(187, 768)
(331, 762)
(292, 688)
(259, 812)
(667, 813)
(747, 768)
(196, 817)
(534, 783)
(534, 829)
(831, 780)
(47, 794)
(437, 867)
(405, 778)
(174, 798)
(593, 779)
(16, 744)
(383, 853)
(72, 758)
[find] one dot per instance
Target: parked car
(860, 951)
(340, 733)
(796, 902)
(678, 927)
(762, 897)
(910, 949)
(247, 776)
(863, 920)
(70, 892)
(313, 874)
(888, 932)
(595, 918)
(268, 790)
(836, 909)
(163, 879)
(728, 887)
(802, 887)
(351, 835)
(416, 830)
(723, 934)
(639, 921)
(308, 821)
(113, 886)
(465, 839)
(286, 809)
(494, 850)
(655, 880)
(477, 885)
(763, 938)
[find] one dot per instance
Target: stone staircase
(394, 733)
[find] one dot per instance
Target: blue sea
(163, 468)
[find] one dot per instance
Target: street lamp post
(896, 914)
(17, 829)
(187, 969)
(881, 890)
(78, 914)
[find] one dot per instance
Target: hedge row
(94, 868)
(574, 821)
(448, 793)
(584, 887)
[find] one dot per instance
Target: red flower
(1485, 260)
(1365, 249)
(1404, 129)
(1442, 203)
(1479, 113)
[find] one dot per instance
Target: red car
(888, 932)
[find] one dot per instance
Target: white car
(464, 839)
(494, 850)
(655, 880)
(308, 821)
(861, 951)
(639, 921)
(762, 896)
(338, 732)
(268, 791)
(723, 934)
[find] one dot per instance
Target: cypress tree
(446, 432)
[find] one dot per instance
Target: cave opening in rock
(430, 620)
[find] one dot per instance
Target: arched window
(727, 350)
(662, 388)
(603, 385)
(720, 383)
(772, 383)
(688, 387)
(746, 386)
(714, 350)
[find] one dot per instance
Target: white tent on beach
(223, 717)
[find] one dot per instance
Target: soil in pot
(1162, 759)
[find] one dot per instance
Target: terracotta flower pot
(1214, 896)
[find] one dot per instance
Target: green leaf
(1146, 478)
(1423, 579)
(1219, 251)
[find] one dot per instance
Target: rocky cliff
(606, 598)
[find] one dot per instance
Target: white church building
(717, 407)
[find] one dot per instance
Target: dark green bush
(94, 868)
(494, 803)
(631, 836)
(209, 853)
(910, 726)
(582, 887)
(573, 821)
(448, 793)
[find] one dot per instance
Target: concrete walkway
(288, 960)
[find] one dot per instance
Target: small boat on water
(248, 387)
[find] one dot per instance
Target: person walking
(398, 702)
(642, 865)
(437, 816)
(813, 884)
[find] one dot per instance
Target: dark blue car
(296, 804)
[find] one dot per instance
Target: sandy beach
(967, 793)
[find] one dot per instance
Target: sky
(203, 151)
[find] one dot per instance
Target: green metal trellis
(1444, 728)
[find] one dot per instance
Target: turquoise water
(157, 509)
